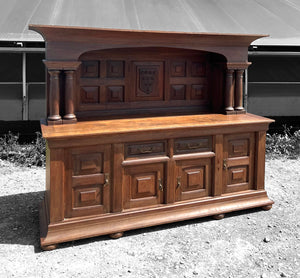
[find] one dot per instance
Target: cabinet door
(87, 181)
(193, 178)
(238, 163)
(143, 185)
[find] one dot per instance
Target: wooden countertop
(148, 124)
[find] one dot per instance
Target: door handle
(178, 182)
(225, 164)
(106, 179)
(160, 185)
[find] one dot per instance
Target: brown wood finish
(158, 131)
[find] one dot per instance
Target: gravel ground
(251, 243)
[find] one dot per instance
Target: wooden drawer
(146, 148)
(191, 145)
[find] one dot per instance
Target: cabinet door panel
(193, 178)
(87, 181)
(238, 162)
(143, 185)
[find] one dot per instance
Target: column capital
(62, 65)
(54, 73)
(238, 65)
(229, 71)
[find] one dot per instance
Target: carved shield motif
(147, 80)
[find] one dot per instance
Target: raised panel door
(87, 181)
(193, 178)
(238, 163)
(143, 185)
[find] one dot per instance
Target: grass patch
(285, 145)
(33, 154)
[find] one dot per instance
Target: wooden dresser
(146, 128)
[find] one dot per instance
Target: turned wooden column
(238, 101)
(54, 116)
(229, 92)
(69, 97)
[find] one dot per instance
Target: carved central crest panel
(147, 78)
(149, 81)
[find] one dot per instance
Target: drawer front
(142, 149)
(192, 145)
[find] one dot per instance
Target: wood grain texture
(154, 124)
(56, 189)
(218, 166)
(260, 159)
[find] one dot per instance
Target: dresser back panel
(145, 81)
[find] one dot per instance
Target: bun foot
(219, 216)
(266, 207)
(116, 235)
(49, 247)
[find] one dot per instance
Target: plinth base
(114, 224)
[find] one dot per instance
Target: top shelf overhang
(81, 39)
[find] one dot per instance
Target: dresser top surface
(149, 124)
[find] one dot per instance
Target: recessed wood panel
(144, 186)
(90, 69)
(177, 92)
(86, 164)
(199, 92)
(195, 178)
(238, 147)
(86, 196)
(115, 69)
(89, 95)
(115, 93)
(178, 69)
(198, 69)
(238, 175)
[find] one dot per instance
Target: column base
(230, 112)
(69, 121)
(240, 111)
(56, 122)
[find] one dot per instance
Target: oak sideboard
(146, 128)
